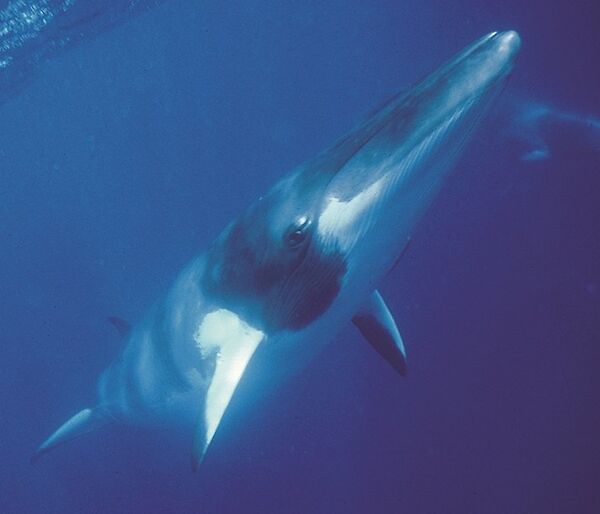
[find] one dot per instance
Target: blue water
(131, 133)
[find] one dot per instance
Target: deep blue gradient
(127, 154)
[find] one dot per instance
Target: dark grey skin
(270, 267)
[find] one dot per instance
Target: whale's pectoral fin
(82, 423)
(377, 325)
(230, 365)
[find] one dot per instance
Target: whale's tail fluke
(82, 423)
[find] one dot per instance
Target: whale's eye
(297, 233)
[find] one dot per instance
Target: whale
(539, 132)
(301, 262)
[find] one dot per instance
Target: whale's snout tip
(509, 41)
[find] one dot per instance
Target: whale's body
(302, 261)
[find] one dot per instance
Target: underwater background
(132, 132)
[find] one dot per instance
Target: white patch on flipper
(234, 341)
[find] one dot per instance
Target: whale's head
(339, 221)
(394, 164)
(270, 265)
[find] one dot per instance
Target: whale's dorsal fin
(82, 423)
(122, 326)
(378, 327)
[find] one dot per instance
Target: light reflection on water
(33, 30)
